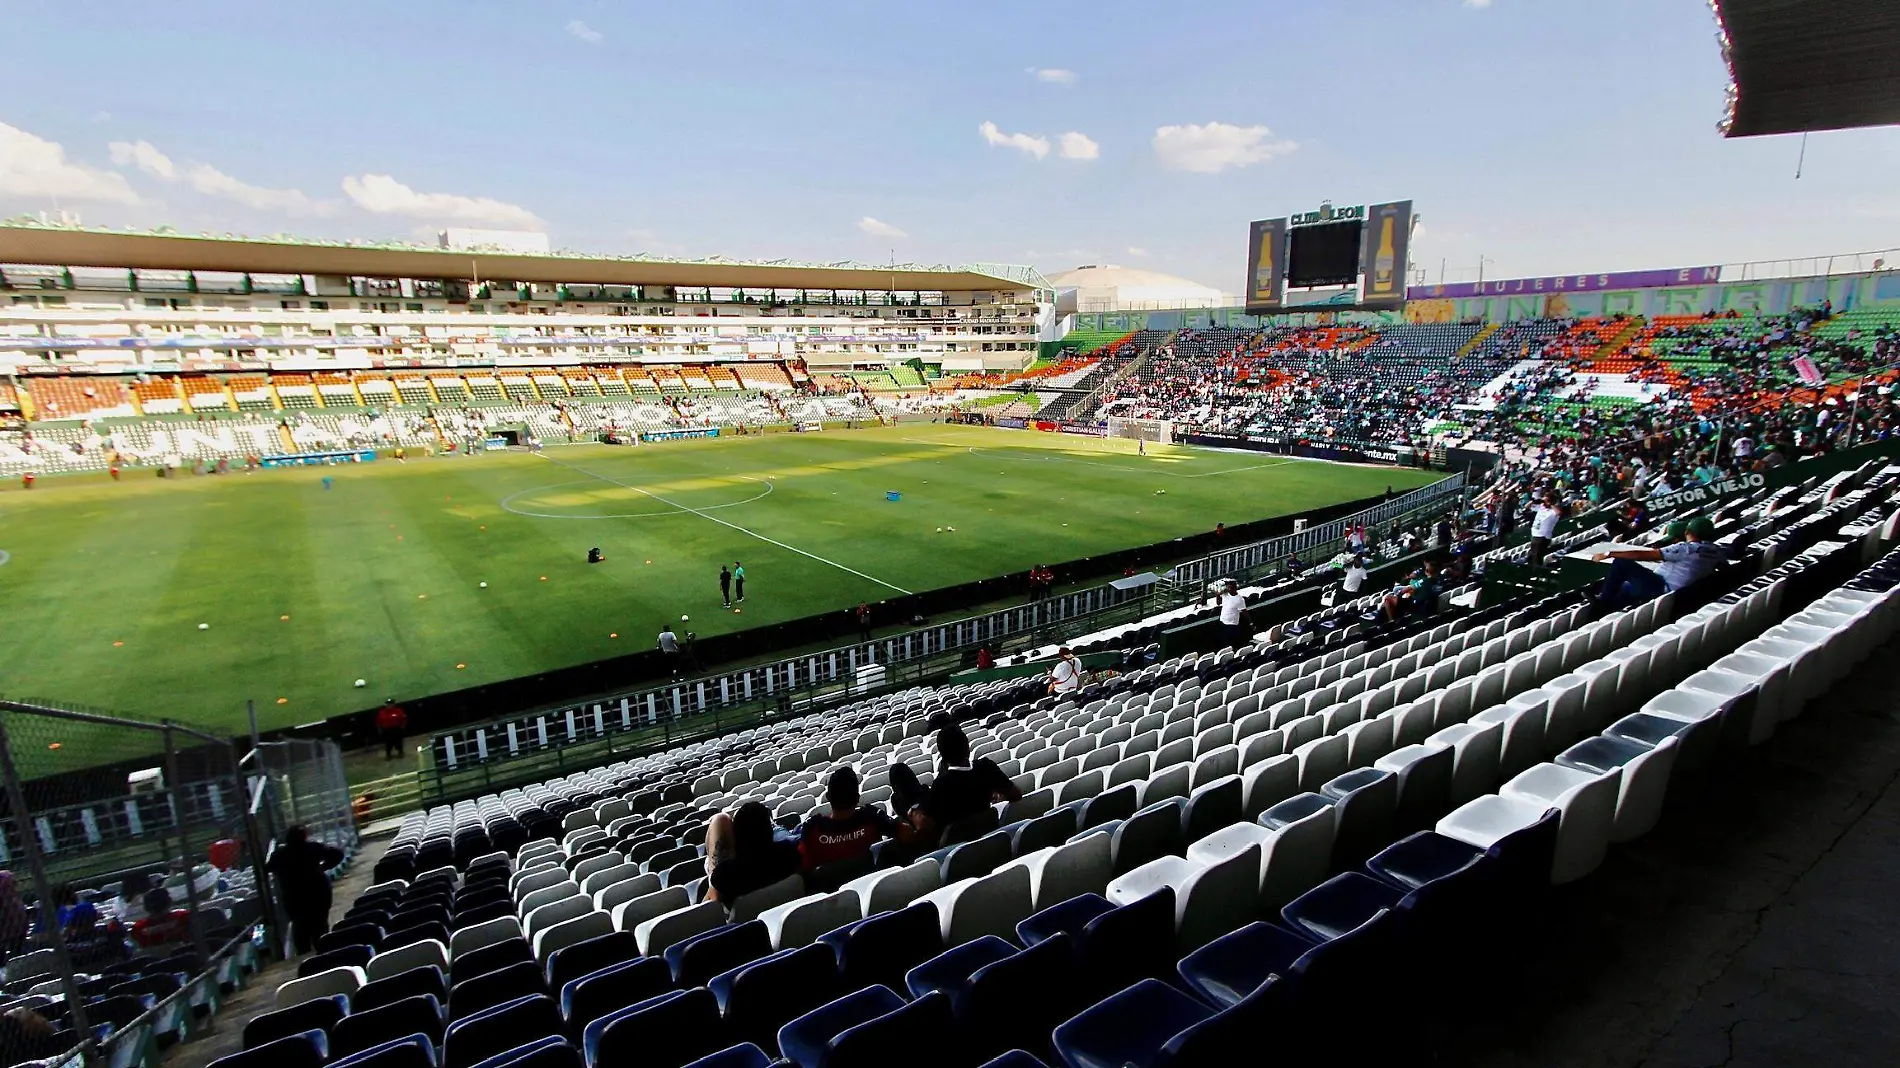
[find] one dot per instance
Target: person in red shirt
(26, 480)
(162, 923)
(391, 723)
(848, 829)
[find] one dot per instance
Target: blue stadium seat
(303, 1049)
(489, 958)
(354, 956)
(702, 956)
(1015, 1058)
(610, 989)
(806, 1039)
(415, 1051)
(317, 1014)
(424, 980)
(590, 955)
(1128, 944)
(743, 1055)
(1015, 1002)
(949, 970)
(1226, 970)
(553, 1052)
(494, 1031)
(359, 1031)
(924, 1030)
(470, 996)
(761, 997)
(1066, 917)
(1129, 1028)
(669, 1031)
(878, 950)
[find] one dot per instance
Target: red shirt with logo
(824, 838)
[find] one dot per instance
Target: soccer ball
(940, 530)
(484, 585)
(361, 683)
(685, 618)
(204, 626)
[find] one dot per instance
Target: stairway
(1086, 405)
(1615, 344)
(1477, 339)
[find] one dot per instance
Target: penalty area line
(1237, 470)
(715, 519)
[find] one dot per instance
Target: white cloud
(381, 194)
(1053, 75)
(34, 167)
(211, 181)
(143, 155)
(1034, 145)
(1216, 146)
(879, 228)
(1136, 252)
(587, 33)
(102, 116)
(1478, 3)
(1078, 146)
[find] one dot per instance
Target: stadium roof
(1801, 65)
(70, 246)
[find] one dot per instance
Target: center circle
(592, 498)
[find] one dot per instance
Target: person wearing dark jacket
(301, 868)
(744, 853)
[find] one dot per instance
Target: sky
(1535, 136)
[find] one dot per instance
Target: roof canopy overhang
(92, 248)
(1802, 65)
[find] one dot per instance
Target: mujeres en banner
(1571, 283)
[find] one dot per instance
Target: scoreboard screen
(1305, 260)
(1324, 255)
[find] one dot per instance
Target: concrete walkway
(1756, 926)
(226, 1033)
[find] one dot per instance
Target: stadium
(462, 652)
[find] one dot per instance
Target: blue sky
(1543, 135)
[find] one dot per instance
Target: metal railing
(127, 815)
(611, 727)
(1250, 561)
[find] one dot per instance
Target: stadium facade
(142, 303)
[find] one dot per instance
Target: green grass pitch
(305, 590)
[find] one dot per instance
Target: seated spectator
(73, 913)
(1418, 596)
(744, 853)
(162, 923)
(848, 829)
(957, 803)
(1679, 564)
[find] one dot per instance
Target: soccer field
(304, 589)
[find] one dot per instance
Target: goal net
(1160, 431)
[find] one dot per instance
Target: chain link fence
(131, 880)
(302, 782)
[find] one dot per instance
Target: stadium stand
(1257, 841)
(142, 1000)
